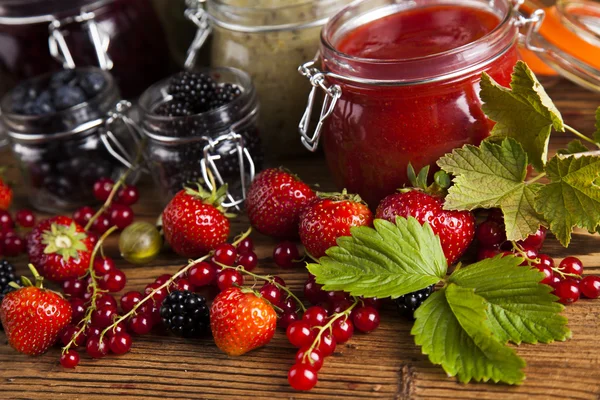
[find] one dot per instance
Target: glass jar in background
(62, 153)
(179, 30)
(180, 150)
(397, 93)
(268, 41)
(129, 38)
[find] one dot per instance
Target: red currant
(567, 291)
(25, 218)
(555, 280)
(314, 358)
(315, 316)
(288, 305)
(69, 333)
(13, 246)
(225, 254)
(184, 284)
(286, 254)
(302, 377)
(590, 286)
(490, 233)
(248, 260)
(300, 334)
(162, 279)
(159, 295)
(97, 348)
(120, 343)
(313, 292)
(535, 241)
(496, 215)
(69, 359)
(102, 188)
(140, 324)
(121, 216)
(106, 300)
(78, 307)
(129, 300)
(101, 224)
(6, 221)
(102, 266)
(326, 345)
(74, 287)
(245, 246)
(278, 280)
(366, 319)
(287, 319)
(271, 293)
(571, 265)
(152, 311)
(114, 281)
(118, 328)
(342, 329)
(372, 301)
(229, 277)
(484, 253)
(202, 274)
(545, 259)
(93, 238)
(127, 195)
(103, 316)
(93, 332)
(548, 273)
(83, 215)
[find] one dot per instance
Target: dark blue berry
(92, 83)
(67, 96)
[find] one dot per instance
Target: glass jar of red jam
(124, 36)
(402, 85)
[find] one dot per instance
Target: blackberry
(194, 88)
(408, 304)
(224, 94)
(185, 314)
(174, 108)
(7, 274)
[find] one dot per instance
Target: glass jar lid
(563, 39)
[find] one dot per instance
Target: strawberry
(241, 322)
(60, 248)
(330, 217)
(194, 222)
(275, 201)
(33, 317)
(456, 229)
(6, 195)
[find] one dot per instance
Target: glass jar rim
(505, 27)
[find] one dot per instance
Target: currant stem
(537, 178)
(109, 201)
(266, 278)
(581, 135)
(238, 239)
(95, 290)
(153, 292)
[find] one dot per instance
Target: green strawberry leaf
(490, 176)
(597, 132)
(574, 146)
(572, 198)
(525, 113)
(519, 308)
(388, 261)
(452, 329)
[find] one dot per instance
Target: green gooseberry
(140, 243)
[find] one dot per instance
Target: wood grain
(385, 364)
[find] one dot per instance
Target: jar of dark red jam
(402, 85)
(124, 36)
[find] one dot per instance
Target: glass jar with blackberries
(202, 123)
(56, 126)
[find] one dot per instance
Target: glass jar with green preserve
(268, 41)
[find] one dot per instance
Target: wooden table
(384, 364)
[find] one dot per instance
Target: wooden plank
(384, 364)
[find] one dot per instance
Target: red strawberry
(241, 322)
(34, 317)
(6, 195)
(456, 229)
(60, 248)
(194, 222)
(275, 201)
(330, 217)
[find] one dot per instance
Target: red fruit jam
(410, 85)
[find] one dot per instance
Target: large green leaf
(452, 330)
(519, 308)
(388, 261)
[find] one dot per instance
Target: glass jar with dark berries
(55, 123)
(202, 123)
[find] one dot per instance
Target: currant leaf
(388, 261)
(520, 309)
(574, 146)
(572, 198)
(493, 176)
(452, 329)
(597, 132)
(525, 112)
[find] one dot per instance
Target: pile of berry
(63, 90)
(13, 242)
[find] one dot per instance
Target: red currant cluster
(13, 242)
(323, 327)
(118, 214)
(566, 279)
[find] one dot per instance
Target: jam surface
(375, 131)
(418, 33)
